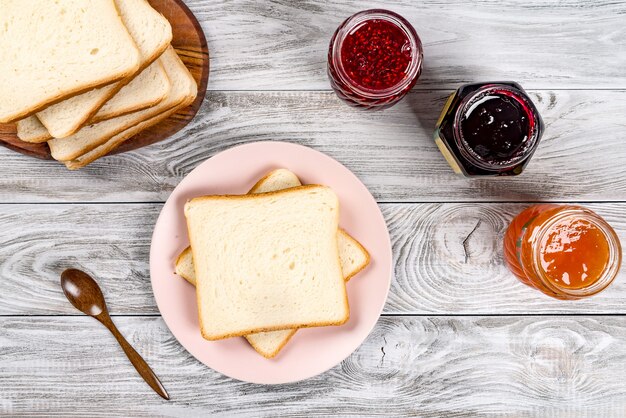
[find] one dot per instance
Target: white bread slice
(146, 90)
(352, 255)
(266, 262)
(52, 50)
(151, 32)
(275, 180)
(30, 129)
(92, 136)
(118, 139)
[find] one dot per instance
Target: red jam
(376, 54)
(374, 59)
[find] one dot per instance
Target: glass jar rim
(417, 52)
(615, 252)
(469, 154)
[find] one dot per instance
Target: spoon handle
(138, 362)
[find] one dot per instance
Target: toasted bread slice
(146, 90)
(92, 136)
(352, 255)
(53, 50)
(151, 32)
(267, 262)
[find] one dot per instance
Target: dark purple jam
(496, 127)
(489, 129)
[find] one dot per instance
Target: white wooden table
(459, 334)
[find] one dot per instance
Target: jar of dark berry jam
(489, 129)
(374, 59)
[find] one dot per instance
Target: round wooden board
(191, 46)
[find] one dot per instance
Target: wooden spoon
(85, 294)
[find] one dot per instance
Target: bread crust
(64, 96)
(184, 253)
(266, 177)
(271, 354)
(362, 249)
(37, 139)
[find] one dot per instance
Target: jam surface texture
(496, 127)
(489, 129)
(574, 254)
(376, 55)
(374, 59)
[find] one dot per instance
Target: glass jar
(566, 251)
(489, 129)
(374, 59)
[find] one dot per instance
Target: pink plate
(311, 351)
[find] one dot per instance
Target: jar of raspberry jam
(489, 129)
(565, 251)
(374, 59)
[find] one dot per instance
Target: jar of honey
(374, 59)
(565, 251)
(489, 129)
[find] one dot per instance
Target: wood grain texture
(448, 259)
(580, 158)
(191, 46)
(268, 82)
(282, 44)
(453, 367)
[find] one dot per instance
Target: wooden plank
(542, 43)
(448, 259)
(453, 366)
(580, 159)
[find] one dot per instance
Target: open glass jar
(374, 59)
(565, 251)
(489, 129)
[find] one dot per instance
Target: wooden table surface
(459, 335)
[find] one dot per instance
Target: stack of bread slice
(270, 262)
(86, 75)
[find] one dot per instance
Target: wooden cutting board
(191, 46)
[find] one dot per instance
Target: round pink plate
(310, 351)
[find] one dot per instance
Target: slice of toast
(267, 262)
(352, 255)
(92, 136)
(146, 90)
(53, 50)
(152, 34)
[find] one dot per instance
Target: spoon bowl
(83, 292)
